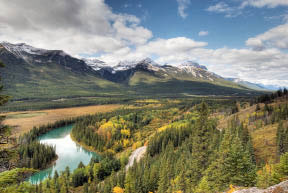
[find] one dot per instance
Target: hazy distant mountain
(247, 84)
(254, 86)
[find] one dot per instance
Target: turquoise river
(69, 153)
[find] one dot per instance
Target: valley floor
(24, 121)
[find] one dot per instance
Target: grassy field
(24, 121)
(263, 136)
(264, 143)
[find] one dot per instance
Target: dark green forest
(187, 150)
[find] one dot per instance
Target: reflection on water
(69, 153)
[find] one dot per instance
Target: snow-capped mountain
(32, 55)
(146, 63)
(190, 65)
(95, 63)
(23, 50)
(58, 72)
(123, 71)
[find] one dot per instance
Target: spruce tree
(282, 139)
(233, 165)
(200, 146)
(4, 130)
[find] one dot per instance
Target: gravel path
(136, 155)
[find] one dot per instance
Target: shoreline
(83, 145)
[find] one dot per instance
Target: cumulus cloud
(182, 6)
(224, 8)
(264, 3)
(267, 66)
(91, 27)
(203, 33)
(156, 48)
(234, 11)
(86, 26)
(275, 37)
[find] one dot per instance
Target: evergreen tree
(4, 130)
(282, 139)
(200, 147)
(233, 165)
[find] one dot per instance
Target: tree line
(206, 160)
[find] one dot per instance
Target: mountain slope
(39, 74)
(47, 74)
(247, 84)
(146, 70)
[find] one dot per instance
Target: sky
(246, 39)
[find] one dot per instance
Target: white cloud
(158, 48)
(75, 27)
(86, 26)
(224, 8)
(264, 3)
(275, 37)
(203, 33)
(182, 6)
(234, 11)
(164, 47)
(267, 66)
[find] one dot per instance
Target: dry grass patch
(264, 142)
(24, 121)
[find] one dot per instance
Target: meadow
(23, 121)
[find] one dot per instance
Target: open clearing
(24, 121)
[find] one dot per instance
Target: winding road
(136, 155)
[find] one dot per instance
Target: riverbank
(69, 153)
(83, 145)
(24, 121)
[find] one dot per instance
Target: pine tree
(282, 139)
(130, 182)
(200, 147)
(203, 186)
(81, 165)
(4, 130)
(233, 165)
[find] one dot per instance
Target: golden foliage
(125, 132)
(136, 145)
(232, 189)
(126, 142)
(118, 190)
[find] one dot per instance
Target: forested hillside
(38, 78)
(192, 146)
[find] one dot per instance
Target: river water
(69, 153)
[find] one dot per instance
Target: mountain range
(33, 73)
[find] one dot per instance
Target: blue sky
(246, 39)
(163, 19)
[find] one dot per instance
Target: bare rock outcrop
(278, 188)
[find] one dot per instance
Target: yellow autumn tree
(118, 190)
(125, 132)
(232, 189)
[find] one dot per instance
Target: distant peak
(22, 49)
(95, 63)
(147, 60)
(193, 64)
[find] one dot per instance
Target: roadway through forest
(136, 155)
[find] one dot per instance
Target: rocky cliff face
(279, 188)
